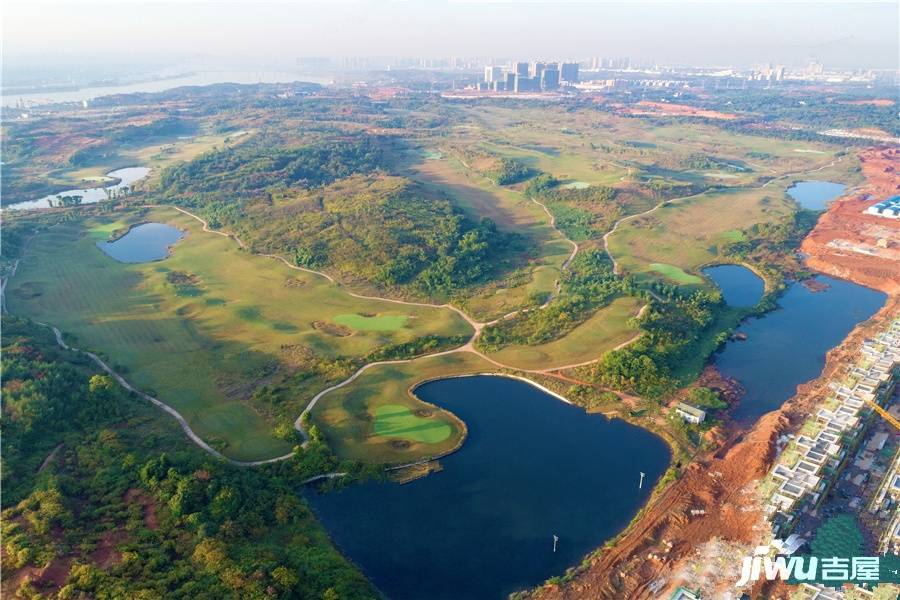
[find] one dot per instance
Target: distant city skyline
(840, 35)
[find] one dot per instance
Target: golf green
(675, 273)
(359, 322)
(396, 420)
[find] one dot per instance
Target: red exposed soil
(714, 499)
(106, 555)
(860, 247)
(139, 496)
(49, 578)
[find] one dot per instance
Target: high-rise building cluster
(768, 72)
(610, 63)
(529, 77)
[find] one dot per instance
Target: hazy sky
(841, 34)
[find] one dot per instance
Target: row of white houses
(803, 475)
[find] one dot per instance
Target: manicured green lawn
(349, 416)
(398, 421)
(675, 274)
(371, 323)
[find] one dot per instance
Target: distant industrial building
(511, 78)
(521, 69)
(568, 72)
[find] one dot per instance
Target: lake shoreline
(519, 436)
(115, 182)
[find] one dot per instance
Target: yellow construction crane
(887, 416)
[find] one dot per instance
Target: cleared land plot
(206, 353)
(606, 329)
(685, 234)
(348, 416)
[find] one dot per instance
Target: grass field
(349, 416)
(371, 323)
(680, 237)
(563, 162)
(675, 274)
(606, 329)
(398, 421)
(205, 353)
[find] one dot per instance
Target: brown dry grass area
(720, 483)
(845, 222)
(665, 109)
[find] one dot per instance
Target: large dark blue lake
(532, 467)
(787, 347)
(144, 243)
(815, 195)
(740, 286)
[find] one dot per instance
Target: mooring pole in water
(641, 482)
(555, 539)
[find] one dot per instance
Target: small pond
(740, 286)
(815, 195)
(531, 467)
(144, 243)
(126, 177)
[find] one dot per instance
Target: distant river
(159, 85)
(127, 177)
(787, 347)
(532, 467)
